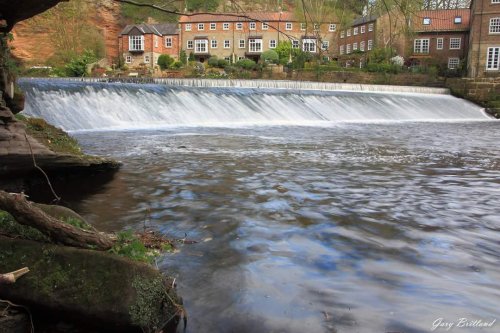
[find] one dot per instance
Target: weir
(83, 105)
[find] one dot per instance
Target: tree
(270, 56)
(165, 61)
(78, 65)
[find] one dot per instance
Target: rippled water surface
(349, 228)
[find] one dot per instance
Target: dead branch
(10, 278)
(28, 214)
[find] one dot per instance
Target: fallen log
(9, 278)
(26, 213)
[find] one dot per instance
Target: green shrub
(383, 68)
(191, 57)
(247, 64)
(222, 63)
(183, 57)
(270, 56)
(128, 245)
(78, 65)
(213, 61)
(177, 65)
(165, 61)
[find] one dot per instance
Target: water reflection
(355, 228)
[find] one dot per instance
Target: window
(213, 26)
(136, 43)
(421, 46)
(324, 45)
(227, 43)
(308, 45)
(188, 27)
(168, 42)
(342, 49)
(255, 45)
(495, 25)
(370, 27)
(316, 27)
(239, 26)
(439, 43)
(453, 63)
(241, 45)
(362, 46)
(288, 26)
(295, 44)
(363, 28)
(225, 26)
(348, 32)
(458, 19)
(370, 44)
(272, 44)
(495, 1)
(303, 26)
(455, 43)
(201, 26)
(146, 59)
(128, 59)
(213, 43)
(253, 26)
(493, 59)
(348, 49)
(332, 27)
(426, 21)
(227, 58)
(354, 46)
(241, 58)
(265, 26)
(355, 31)
(342, 34)
(200, 46)
(189, 45)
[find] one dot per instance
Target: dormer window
(427, 21)
(458, 19)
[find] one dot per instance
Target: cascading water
(77, 105)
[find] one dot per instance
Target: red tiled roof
(442, 20)
(239, 17)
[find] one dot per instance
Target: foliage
(141, 14)
(128, 245)
(284, 50)
(165, 61)
(383, 68)
(222, 63)
(300, 59)
(247, 64)
(9, 226)
(202, 5)
(75, 222)
(183, 57)
(381, 55)
(77, 66)
(398, 60)
(191, 57)
(213, 61)
(177, 65)
(270, 56)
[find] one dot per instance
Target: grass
(129, 246)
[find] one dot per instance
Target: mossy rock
(87, 287)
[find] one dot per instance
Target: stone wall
(484, 91)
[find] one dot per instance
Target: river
(318, 221)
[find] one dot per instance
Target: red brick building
(142, 44)
(233, 37)
(484, 51)
(360, 36)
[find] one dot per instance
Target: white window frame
(370, 27)
(363, 29)
(255, 45)
(147, 58)
(128, 59)
(252, 26)
(355, 31)
(348, 49)
(213, 26)
(493, 58)
(332, 27)
(227, 43)
(169, 42)
(421, 46)
(348, 32)
(494, 25)
(354, 47)
(325, 45)
(265, 26)
(225, 26)
(136, 43)
(440, 43)
(370, 45)
(454, 45)
(342, 34)
(303, 26)
(239, 26)
(309, 45)
(341, 49)
(241, 44)
(362, 46)
(201, 26)
(295, 44)
(190, 44)
(213, 44)
(201, 46)
(188, 27)
(288, 26)
(495, 1)
(453, 63)
(272, 43)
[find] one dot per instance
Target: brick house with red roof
(142, 44)
(233, 36)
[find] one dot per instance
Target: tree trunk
(28, 214)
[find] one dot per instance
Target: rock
(91, 288)
(64, 214)
(13, 320)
